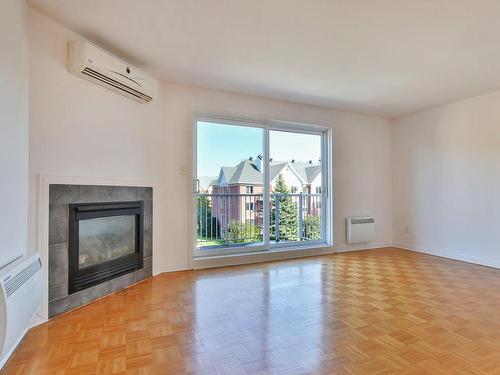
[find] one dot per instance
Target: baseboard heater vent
(16, 282)
(20, 298)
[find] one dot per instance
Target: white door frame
(268, 125)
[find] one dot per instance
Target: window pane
(296, 185)
(230, 174)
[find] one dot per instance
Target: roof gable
(246, 172)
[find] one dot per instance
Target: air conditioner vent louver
(117, 85)
(98, 66)
(14, 283)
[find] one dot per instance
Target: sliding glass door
(296, 187)
(259, 186)
(228, 186)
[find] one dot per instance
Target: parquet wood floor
(385, 311)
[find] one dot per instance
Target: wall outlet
(183, 171)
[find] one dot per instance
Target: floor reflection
(262, 318)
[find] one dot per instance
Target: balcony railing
(238, 219)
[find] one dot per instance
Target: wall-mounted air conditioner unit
(360, 229)
(20, 298)
(89, 62)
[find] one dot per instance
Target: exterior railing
(238, 219)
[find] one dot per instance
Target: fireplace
(105, 242)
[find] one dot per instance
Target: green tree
(312, 227)
(288, 213)
(207, 225)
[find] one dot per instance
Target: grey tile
(95, 193)
(148, 243)
(147, 262)
(148, 215)
(58, 264)
(64, 194)
(95, 292)
(145, 194)
(143, 274)
(58, 292)
(58, 223)
(122, 282)
(65, 304)
(124, 193)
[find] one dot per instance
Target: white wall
(446, 181)
(362, 170)
(14, 124)
(80, 129)
(131, 141)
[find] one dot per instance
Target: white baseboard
(443, 254)
(171, 268)
(359, 247)
(37, 320)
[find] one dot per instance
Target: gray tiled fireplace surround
(60, 197)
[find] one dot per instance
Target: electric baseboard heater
(360, 229)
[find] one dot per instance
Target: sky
(226, 145)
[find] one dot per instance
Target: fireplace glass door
(106, 238)
(105, 242)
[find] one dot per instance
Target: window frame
(326, 132)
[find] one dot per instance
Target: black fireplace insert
(105, 242)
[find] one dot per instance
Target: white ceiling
(385, 57)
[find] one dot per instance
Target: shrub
(242, 232)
